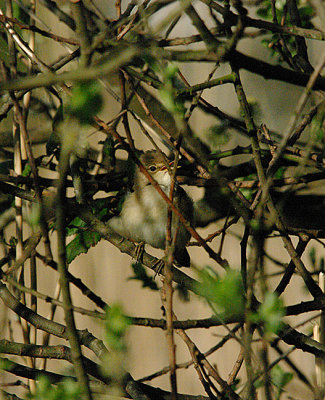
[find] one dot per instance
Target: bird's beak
(171, 163)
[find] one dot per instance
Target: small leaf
(226, 293)
(74, 226)
(280, 379)
(20, 14)
(167, 92)
(270, 313)
(254, 108)
(116, 326)
(86, 101)
(65, 390)
(27, 170)
(81, 244)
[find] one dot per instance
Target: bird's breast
(145, 217)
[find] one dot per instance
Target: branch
(58, 352)
(32, 373)
(232, 18)
(240, 60)
(123, 56)
(46, 325)
(125, 246)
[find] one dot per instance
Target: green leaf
(75, 225)
(81, 244)
(225, 294)
(316, 126)
(270, 313)
(27, 170)
(84, 239)
(98, 207)
(65, 390)
(306, 14)
(168, 91)
(140, 274)
(116, 325)
(34, 215)
(86, 101)
(280, 379)
(264, 12)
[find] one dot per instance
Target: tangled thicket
(132, 55)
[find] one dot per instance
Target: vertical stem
(26, 104)
(18, 172)
(168, 304)
(16, 140)
(78, 11)
(31, 160)
(266, 366)
(46, 336)
(168, 288)
(248, 332)
(18, 200)
(319, 335)
(124, 107)
(322, 334)
(63, 271)
(33, 285)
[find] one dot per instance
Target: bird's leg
(158, 267)
(138, 251)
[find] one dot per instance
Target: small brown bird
(143, 217)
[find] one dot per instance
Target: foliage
(81, 98)
(270, 314)
(65, 390)
(224, 294)
(167, 92)
(280, 379)
(83, 241)
(306, 14)
(114, 362)
(116, 324)
(86, 101)
(83, 238)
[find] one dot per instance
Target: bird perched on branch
(144, 213)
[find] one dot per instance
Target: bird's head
(156, 164)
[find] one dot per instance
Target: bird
(144, 213)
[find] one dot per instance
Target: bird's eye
(152, 168)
